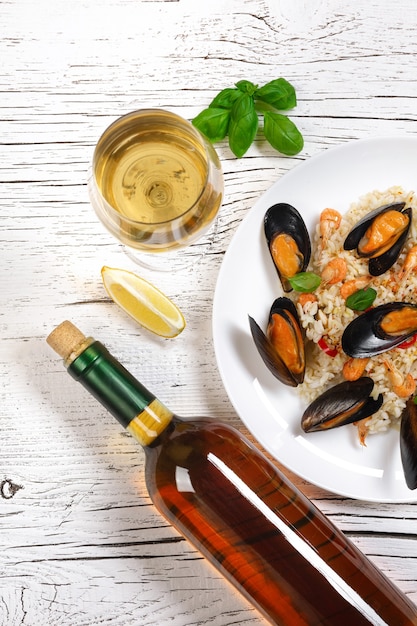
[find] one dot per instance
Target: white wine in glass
(156, 182)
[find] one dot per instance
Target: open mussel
(344, 403)
(408, 443)
(282, 347)
(288, 241)
(380, 236)
(380, 329)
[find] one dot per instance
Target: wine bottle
(237, 509)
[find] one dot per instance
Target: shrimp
(401, 385)
(410, 264)
(350, 286)
(305, 298)
(354, 368)
(334, 272)
(363, 430)
(330, 220)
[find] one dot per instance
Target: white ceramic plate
(248, 284)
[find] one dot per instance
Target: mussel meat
(344, 403)
(380, 329)
(408, 443)
(282, 347)
(288, 241)
(380, 236)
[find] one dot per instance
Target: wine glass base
(178, 259)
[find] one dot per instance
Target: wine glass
(156, 184)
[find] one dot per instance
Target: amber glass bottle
(234, 505)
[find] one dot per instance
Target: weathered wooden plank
(81, 543)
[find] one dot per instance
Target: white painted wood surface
(80, 541)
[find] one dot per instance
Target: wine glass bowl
(156, 183)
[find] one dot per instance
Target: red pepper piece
(327, 349)
(409, 342)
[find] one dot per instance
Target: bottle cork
(68, 341)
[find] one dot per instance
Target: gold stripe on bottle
(150, 423)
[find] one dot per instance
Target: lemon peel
(146, 304)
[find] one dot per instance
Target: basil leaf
(282, 133)
(307, 282)
(213, 123)
(245, 86)
(243, 125)
(225, 99)
(234, 112)
(361, 299)
(279, 93)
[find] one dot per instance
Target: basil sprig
(235, 112)
(305, 282)
(361, 299)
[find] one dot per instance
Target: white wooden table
(80, 541)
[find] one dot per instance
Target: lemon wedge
(143, 302)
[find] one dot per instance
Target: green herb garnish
(243, 124)
(234, 112)
(361, 299)
(306, 282)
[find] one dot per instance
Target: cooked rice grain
(328, 317)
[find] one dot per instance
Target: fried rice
(325, 318)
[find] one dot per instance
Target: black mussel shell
(364, 337)
(408, 443)
(379, 264)
(283, 218)
(274, 361)
(355, 235)
(342, 404)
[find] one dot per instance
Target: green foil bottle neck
(110, 383)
